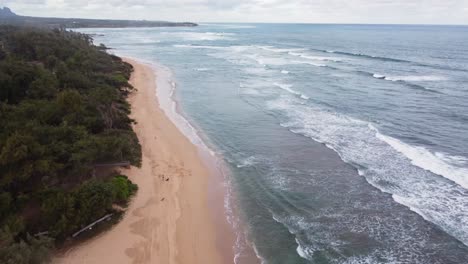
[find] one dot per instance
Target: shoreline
(225, 213)
(172, 218)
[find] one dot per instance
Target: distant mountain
(9, 17)
(6, 12)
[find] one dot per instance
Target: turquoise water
(345, 143)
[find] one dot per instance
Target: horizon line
(233, 22)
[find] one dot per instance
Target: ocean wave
(450, 167)
(199, 36)
(311, 63)
(378, 76)
(388, 59)
(278, 61)
(247, 162)
(280, 50)
(237, 55)
(287, 87)
(304, 251)
(370, 56)
(191, 46)
(326, 234)
(284, 72)
(145, 40)
(262, 60)
(414, 178)
(295, 224)
(420, 87)
(416, 78)
(353, 54)
(317, 58)
(407, 80)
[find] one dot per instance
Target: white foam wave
(302, 251)
(372, 259)
(166, 97)
(284, 72)
(311, 63)
(279, 50)
(238, 54)
(202, 69)
(420, 78)
(199, 36)
(250, 161)
(439, 163)
(316, 58)
(378, 76)
(409, 178)
(287, 87)
(264, 60)
(279, 61)
(197, 47)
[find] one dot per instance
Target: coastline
(170, 220)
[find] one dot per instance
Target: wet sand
(170, 220)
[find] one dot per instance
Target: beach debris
(90, 226)
(42, 234)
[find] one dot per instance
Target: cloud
(309, 11)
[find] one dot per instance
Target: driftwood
(41, 234)
(92, 224)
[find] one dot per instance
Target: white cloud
(309, 11)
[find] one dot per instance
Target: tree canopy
(63, 109)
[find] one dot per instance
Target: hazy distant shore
(8, 17)
(170, 219)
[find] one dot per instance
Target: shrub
(123, 188)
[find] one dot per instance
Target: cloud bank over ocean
(317, 11)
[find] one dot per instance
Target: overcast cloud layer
(307, 11)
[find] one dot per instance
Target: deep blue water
(285, 105)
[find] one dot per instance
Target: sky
(248, 11)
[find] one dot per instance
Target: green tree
(64, 109)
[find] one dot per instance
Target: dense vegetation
(63, 110)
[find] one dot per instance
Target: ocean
(343, 143)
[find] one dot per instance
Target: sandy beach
(169, 220)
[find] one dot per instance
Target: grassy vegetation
(63, 109)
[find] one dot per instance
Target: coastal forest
(63, 113)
